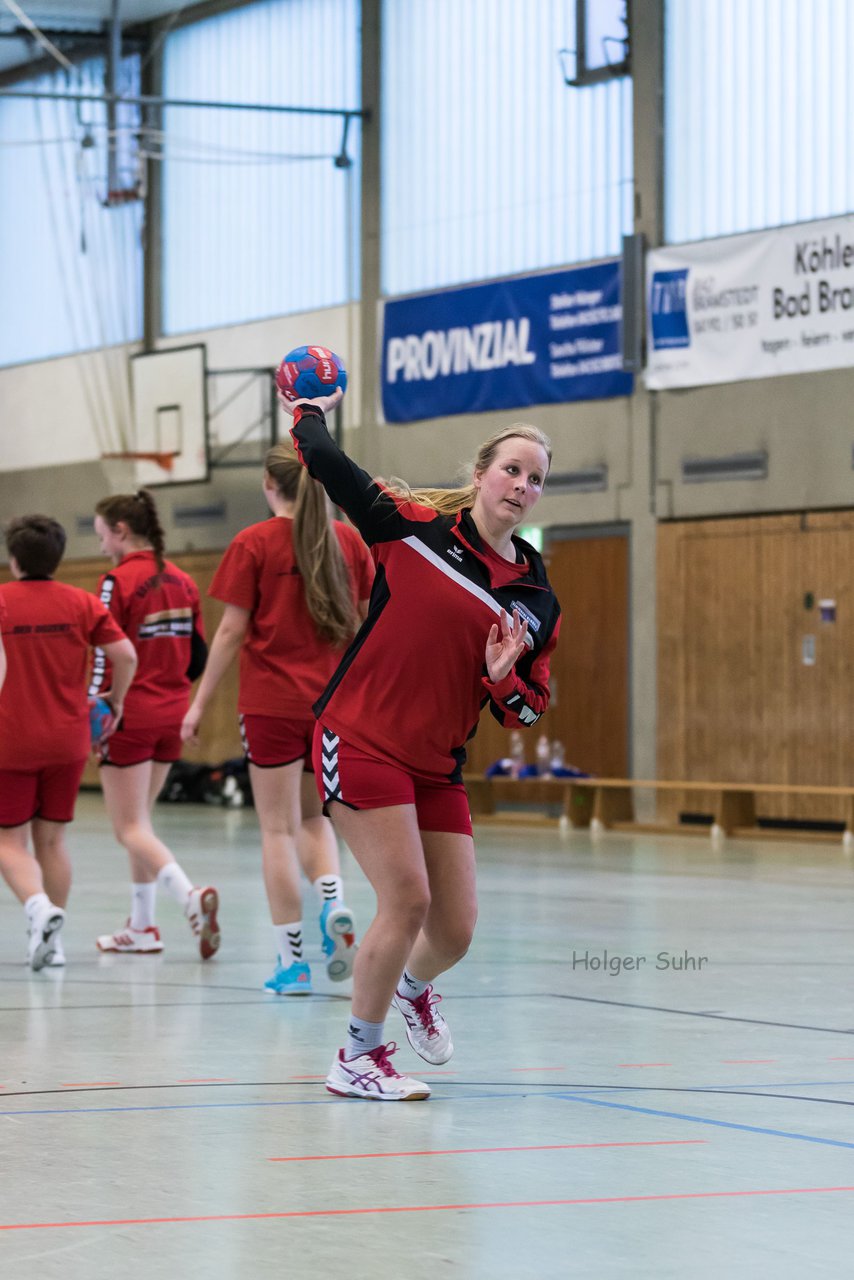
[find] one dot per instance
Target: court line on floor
(424, 1208)
(721, 1124)
(469, 1151)
(693, 1013)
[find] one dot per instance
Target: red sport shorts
(160, 743)
(273, 741)
(361, 781)
(48, 793)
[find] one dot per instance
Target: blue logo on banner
(668, 309)
(537, 340)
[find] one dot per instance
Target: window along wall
(258, 220)
(759, 104)
(491, 163)
(71, 265)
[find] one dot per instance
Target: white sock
(34, 905)
(289, 943)
(173, 880)
(362, 1037)
(142, 900)
(329, 889)
(411, 987)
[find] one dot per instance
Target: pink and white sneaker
(201, 913)
(132, 941)
(372, 1076)
(426, 1029)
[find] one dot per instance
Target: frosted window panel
(258, 221)
(491, 164)
(71, 268)
(758, 114)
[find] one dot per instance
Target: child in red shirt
(48, 630)
(294, 588)
(157, 604)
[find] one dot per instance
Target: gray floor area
(689, 1115)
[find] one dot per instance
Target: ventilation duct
(735, 466)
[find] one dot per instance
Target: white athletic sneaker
(426, 1029)
(44, 925)
(134, 941)
(55, 959)
(201, 913)
(372, 1076)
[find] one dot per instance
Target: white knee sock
(172, 879)
(143, 898)
(329, 889)
(289, 943)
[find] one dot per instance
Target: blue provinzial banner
(537, 340)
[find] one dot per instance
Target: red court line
(208, 1080)
(840, 1059)
(644, 1064)
(465, 1151)
(417, 1208)
(538, 1068)
(88, 1084)
(734, 1062)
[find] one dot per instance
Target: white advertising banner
(751, 306)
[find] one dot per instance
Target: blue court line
(722, 1124)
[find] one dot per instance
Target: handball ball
(100, 714)
(308, 372)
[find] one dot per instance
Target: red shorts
(273, 741)
(47, 793)
(361, 781)
(160, 743)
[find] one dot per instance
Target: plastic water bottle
(517, 754)
(558, 760)
(544, 757)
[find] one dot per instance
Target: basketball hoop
(164, 460)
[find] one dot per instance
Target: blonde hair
(328, 592)
(139, 512)
(449, 502)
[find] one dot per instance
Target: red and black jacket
(411, 686)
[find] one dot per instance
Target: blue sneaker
(293, 981)
(338, 935)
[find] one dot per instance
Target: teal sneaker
(293, 981)
(338, 938)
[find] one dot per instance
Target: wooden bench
(603, 803)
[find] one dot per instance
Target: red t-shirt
(284, 664)
(159, 612)
(48, 630)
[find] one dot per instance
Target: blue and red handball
(309, 372)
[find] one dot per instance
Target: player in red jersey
(294, 588)
(49, 629)
(157, 604)
(461, 615)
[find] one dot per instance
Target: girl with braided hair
(295, 588)
(157, 606)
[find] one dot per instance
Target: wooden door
(589, 668)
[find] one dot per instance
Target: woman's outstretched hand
(504, 647)
(325, 403)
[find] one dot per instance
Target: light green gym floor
(164, 1118)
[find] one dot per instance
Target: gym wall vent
(84, 524)
(213, 513)
(735, 466)
(584, 480)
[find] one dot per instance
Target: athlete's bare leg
(53, 858)
(317, 847)
(127, 795)
(386, 843)
(159, 773)
(17, 865)
(447, 930)
(276, 793)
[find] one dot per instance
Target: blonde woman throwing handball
(295, 588)
(461, 614)
(157, 605)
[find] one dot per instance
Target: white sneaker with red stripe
(426, 1029)
(132, 941)
(371, 1076)
(201, 913)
